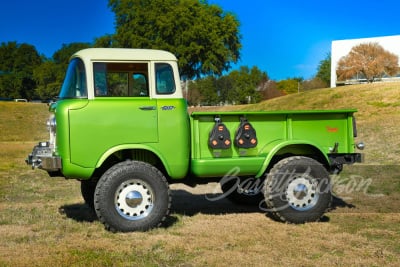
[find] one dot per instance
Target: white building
(342, 47)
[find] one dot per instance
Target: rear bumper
(337, 160)
(42, 158)
(348, 158)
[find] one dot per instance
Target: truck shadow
(189, 204)
(183, 203)
(79, 212)
(186, 203)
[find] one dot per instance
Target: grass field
(43, 221)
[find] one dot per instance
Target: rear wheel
(298, 190)
(87, 190)
(244, 191)
(132, 196)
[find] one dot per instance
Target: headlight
(354, 127)
(52, 126)
(51, 123)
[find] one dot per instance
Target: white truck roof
(122, 54)
(91, 55)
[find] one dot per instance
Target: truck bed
(319, 132)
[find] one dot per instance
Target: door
(121, 113)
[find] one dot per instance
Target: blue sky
(283, 38)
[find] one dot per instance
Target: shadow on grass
(338, 202)
(187, 204)
(79, 212)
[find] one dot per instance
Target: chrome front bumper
(42, 158)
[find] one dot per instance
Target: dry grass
(43, 221)
(28, 119)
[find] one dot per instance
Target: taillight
(354, 127)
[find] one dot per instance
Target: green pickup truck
(121, 126)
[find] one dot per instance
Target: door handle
(147, 108)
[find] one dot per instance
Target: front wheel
(132, 196)
(298, 190)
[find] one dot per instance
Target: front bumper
(42, 158)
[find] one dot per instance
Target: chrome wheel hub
(134, 200)
(302, 193)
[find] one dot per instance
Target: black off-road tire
(87, 190)
(298, 190)
(132, 196)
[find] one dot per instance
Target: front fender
(145, 147)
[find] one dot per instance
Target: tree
(269, 90)
(204, 38)
(48, 77)
(204, 92)
(105, 41)
(225, 86)
(246, 84)
(324, 71)
(17, 62)
(63, 55)
(369, 60)
(314, 83)
(192, 94)
(50, 74)
(290, 85)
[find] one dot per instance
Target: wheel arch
(123, 152)
(280, 150)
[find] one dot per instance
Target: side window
(74, 85)
(139, 85)
(165, 83)
(117, 84)
(121, 79)
(100, 79)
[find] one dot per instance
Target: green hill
(378, 116)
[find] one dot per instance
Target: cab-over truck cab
(121, 127)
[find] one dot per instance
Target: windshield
(74, 85)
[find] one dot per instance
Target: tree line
(25, 73)
(205, 39)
